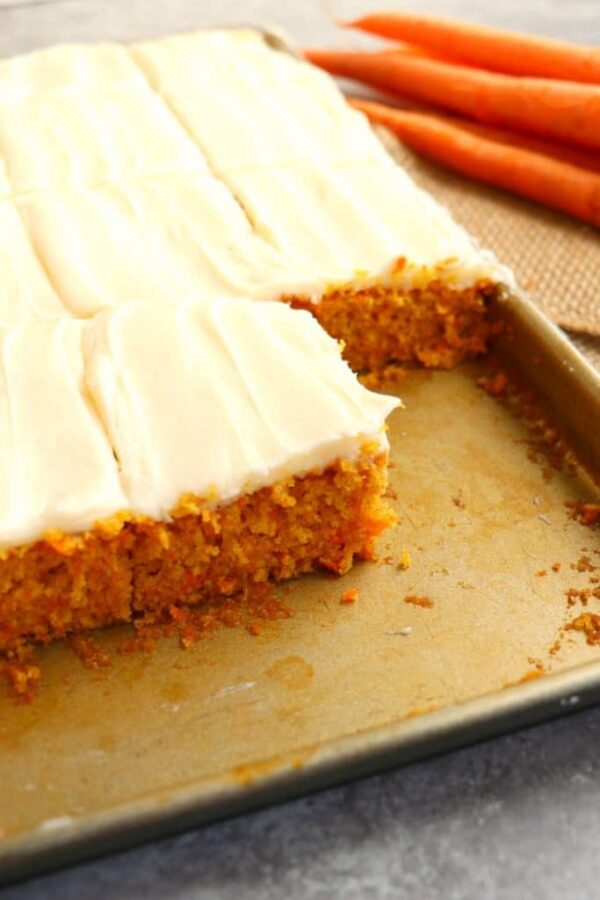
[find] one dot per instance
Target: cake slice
(175, 453)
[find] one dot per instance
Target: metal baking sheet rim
(314, 768)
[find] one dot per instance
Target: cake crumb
(530, 675)
(555, 567)
(541, 573)
(387, 378)
(494, 385)
(349, 596)
(583, 564)
(424, 602)
(88, 652)
(586, 513)
(23, 679)
(555, 647)
(589, 624)
(459, 500)
(422, 710)
(583, 595)
(405, 561)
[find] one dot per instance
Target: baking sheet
(106, 758)
(153, 742)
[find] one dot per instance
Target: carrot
(584, 159)
(491, 48)
(560, 110)
(554, 182)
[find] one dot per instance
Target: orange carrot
(559, 110)
(524, 171)
(491, 48)
(584, 159)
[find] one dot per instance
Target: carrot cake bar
(216, 164)
(163, 453)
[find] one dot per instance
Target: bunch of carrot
(526, 109)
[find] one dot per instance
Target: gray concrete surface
(513, 819)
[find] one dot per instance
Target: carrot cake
(167, 432)
(160, 453)
(215, 164)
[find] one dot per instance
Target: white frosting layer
(200, 166)
(248, 105)
(25, 291)
(149, 402)
(167, 239)
(66, 69)
(91, 138)
(337, 220)
(57, 469)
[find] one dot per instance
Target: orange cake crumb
(90, 654)
(349, 596)
(424, 602)
(494, 385)
(405, 561)
(530, 675)
(586, 513)
(589, 624)
(21, 673)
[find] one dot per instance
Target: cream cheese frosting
(57, 468)
(335, 220)
(91, 138)
(67, 69)
(198, 166)
(25, 289)
(147, 403)
(249, 105)
(169, 239)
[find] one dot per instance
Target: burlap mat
(556, 259)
